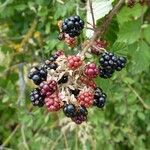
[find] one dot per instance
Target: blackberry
(82, 111)
(38, 75)
(73, 26)
(64, 79)
(106, 72)
(51, 65)
(91, 70)
(75, 92)
(121, 62)
(108, 60)
(74, 62)
(69, 110)
(86, 98)
(99, 98)
(37, 98)
(81, 115)
(52, 102)
(48, 87)
(109, 63)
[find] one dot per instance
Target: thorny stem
(101, 31)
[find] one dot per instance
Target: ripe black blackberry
(73, 26)
(37, 98)
(38, 75)
(99, 98)
(121, 62)
(69, 110)
(64, 79)
(108, 60)
(106, 72)
(109, 63)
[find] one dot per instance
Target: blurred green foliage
(28, 34)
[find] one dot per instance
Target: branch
(100, 32)
(109, 17)
(92, 14)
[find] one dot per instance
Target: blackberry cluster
(109, 63)
(37, 98)
(73, 26)
(67, 82)
(78, 115)
(38, 75)
(99, 98)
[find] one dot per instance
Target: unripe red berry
(88, 82)
(91, 70)
(48, 87)
(53, 102)
(86, 99)
(74, 62)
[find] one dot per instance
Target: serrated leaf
(100, 9)
(130, 32)
(140, 58)
(119, 47)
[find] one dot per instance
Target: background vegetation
(28, 34)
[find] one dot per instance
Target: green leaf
(130, 32)
(127, 14)
(112, 31)
(141, 116)
(147, 33)
(140, 58)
